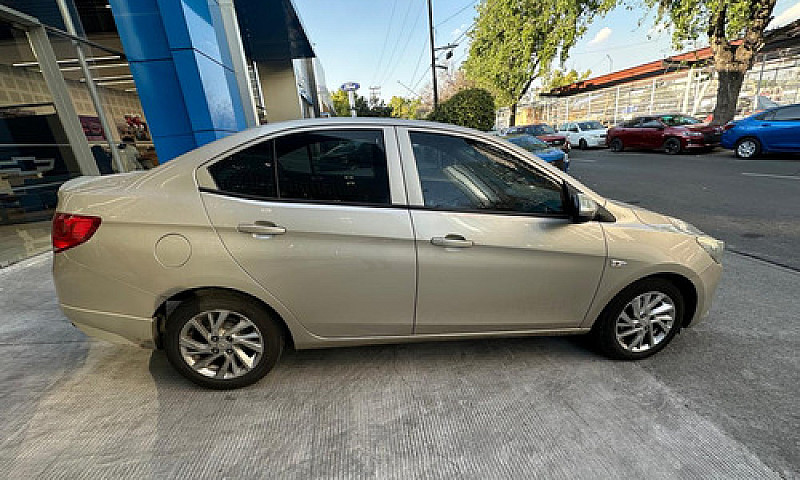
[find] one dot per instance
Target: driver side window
(465, 175)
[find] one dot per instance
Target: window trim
(416, 200)
(397, 190)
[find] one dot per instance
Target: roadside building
(81, 78)
(683, 83)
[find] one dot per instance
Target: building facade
(92, 87)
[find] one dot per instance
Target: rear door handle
(261, 228)
(452, 240)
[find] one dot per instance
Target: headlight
(713, 246)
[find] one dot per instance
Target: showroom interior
(94, 87)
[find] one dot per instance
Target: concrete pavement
(720, 402)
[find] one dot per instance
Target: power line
(419, 60)
(385, 41)
(399, 38)
(455, 14)
(405, 46)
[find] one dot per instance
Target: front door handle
(452, 240)
(261, 228)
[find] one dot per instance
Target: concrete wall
(279, 85)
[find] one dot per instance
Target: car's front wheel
(616, 145)
(222, 341)
(747, 147)
(641, 320)
(672, 146)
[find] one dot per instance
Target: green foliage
(691, 19)
(558, 78)
(341, 106)
(405, 107)
(473, 108)
(515, 41)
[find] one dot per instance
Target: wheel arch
(169, 304)
(682, 283)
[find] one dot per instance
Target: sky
(385, 42)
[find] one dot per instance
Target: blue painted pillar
(181, 64)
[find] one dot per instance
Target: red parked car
(543, 132)
(672, 133)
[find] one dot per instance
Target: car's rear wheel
(672, 146)
(641, 320)
(582, 144)
(747, 147)
(616, 145)
(222, 341)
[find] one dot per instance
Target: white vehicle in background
(586, 134)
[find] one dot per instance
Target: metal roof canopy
(271, 30)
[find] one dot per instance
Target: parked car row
(776, 130)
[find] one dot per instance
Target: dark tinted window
(631, 123)
(539, 130)
(462, 174)
(787, 113)
(650, 123)
(250, 172)
(333, 165)
(679, 120)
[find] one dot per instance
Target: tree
(558, 78)
(735, 30)
(473, 108)
(341, 106)
(514, 41)
(404, 107)
(452, 84)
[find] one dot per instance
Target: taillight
(728, 126)
(72, 230)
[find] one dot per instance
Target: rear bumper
(113, 327)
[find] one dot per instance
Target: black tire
(672, 146)
(616, 145)
(582, 144)
(604, 330)
(753, 151)
(262, 320)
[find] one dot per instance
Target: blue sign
(350, 86)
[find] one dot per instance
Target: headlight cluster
(714, 247)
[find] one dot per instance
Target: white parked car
(585, 134)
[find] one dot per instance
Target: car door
(782, 130)
(651, 133)
(495, 250)
(318, 218)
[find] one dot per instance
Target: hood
(644, 216)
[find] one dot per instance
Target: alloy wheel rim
(645, 322)
(221, 344)
(673, 147)
(747, 148)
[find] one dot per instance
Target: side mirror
(584, 208)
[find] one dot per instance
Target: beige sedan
(338, 232)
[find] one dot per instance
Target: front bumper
(709, 280)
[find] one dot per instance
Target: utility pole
(433, 55)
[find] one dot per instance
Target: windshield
(591, 126)
(529, 143)
(540, 130)
(679, 120)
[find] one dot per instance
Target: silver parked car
(341, 232)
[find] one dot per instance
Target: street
(719, 402)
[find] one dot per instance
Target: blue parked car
(775, 130)
(541, 149)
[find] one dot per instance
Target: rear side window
(333, 165)
(787, 113)
(247, 172)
